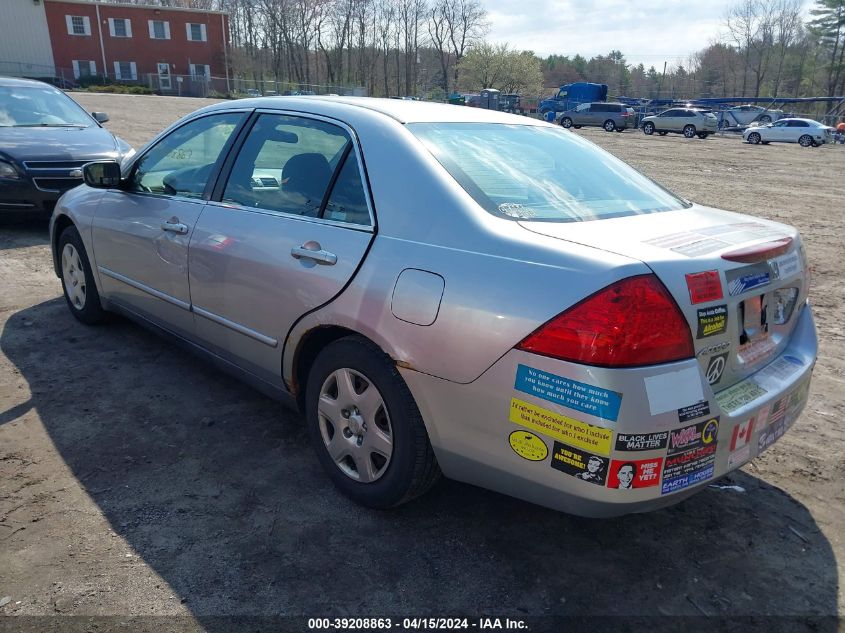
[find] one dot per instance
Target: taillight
(632, 322)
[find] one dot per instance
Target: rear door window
(288, 164)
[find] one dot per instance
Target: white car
(805, 132)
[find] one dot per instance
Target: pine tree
(828, 24)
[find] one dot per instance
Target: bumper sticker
(697, 410)
(739, 395)
(627, 475)
(704, 286)
(561, 427)
(741, 280)
(739, 457)
(712, 321)
(771, 435)
(741, 435)
(786, 265)
(688, 468)
(695, 436)
(715, 368)
(528, 446)
(673, 390)
(580, 396)
(580, 464)
(642, 441)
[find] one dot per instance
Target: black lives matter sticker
(641, 441)
(712, 321)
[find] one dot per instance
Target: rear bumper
(509, 431)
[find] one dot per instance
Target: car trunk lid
(740, 282)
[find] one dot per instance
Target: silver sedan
(551, 324)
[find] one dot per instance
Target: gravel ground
(136, 480)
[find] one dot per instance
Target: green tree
(828, 24)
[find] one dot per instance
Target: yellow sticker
(569, 430)
(528, 446)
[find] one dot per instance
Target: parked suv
(610, 116)
(687, 121)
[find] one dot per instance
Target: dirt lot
(136, 480)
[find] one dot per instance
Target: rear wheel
(365, 426)
(805, 141)
(689, 131)
(566, 122)
(754, 138)
(648, 128)
(609, 125)
(765, 119)
(77, 279)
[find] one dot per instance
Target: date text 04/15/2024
(415, 624)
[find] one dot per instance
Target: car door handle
(174, 226)
(317, 254)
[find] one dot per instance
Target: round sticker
(528, 446)
(708, 433)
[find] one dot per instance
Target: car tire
(765, 119)
(609, 125)
(379, 454)
(805, 140)
(566, 122)
(689, 131)
(754, 138)
(78, 284)
(648, 128)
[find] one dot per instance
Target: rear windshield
(540, 172)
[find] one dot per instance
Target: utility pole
(662, 79)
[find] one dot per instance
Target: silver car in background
(805, 132)
(690, 122)
(556, 326)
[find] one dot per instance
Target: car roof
(19, 82)
(795, 118)
(401, 110)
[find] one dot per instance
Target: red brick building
(163, 47)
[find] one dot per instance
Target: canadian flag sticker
(742, 434)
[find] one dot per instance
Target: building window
(159, 30)
(120, 27)
(125, 70)
(84, 68)
(200, 72)
(78, 24)
(196, 32)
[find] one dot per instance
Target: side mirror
(104, 175)
(100, 117)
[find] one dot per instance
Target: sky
(648, 32)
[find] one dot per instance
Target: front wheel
(689, 131)
(648, 128)
(566, 122)
(805, 141)
(78, 285)
(365, 426)
(609, 125)
(754, 138)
